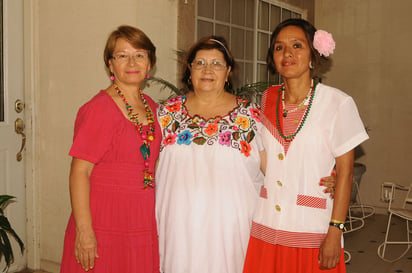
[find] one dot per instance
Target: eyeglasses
(202, 64)
(138, 57)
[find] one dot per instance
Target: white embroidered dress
(206, 185)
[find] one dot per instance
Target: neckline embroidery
(239, 102)
(237, 129)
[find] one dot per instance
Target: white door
(12, 168)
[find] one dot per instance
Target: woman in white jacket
(309, 128)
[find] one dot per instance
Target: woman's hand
(329, 182)
(85, 245)
(85, 248)
(330, 250)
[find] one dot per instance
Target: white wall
(68, 41)
(372, 63)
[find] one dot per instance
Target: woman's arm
(85, 248)
(330, 250)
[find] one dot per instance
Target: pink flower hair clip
(323, 42)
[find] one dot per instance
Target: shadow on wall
(359, 152)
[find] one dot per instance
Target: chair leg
(382, 247)
(348, 257)
(366, 211)
(353, 223)
(381, 254)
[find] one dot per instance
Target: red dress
(123, 211)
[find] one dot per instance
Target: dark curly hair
(206, 43)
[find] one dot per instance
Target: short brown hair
(135, 37)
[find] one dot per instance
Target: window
(247, 26)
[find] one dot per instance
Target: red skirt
(263, 257)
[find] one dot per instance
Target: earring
(147, 76)
(112, 77)
(227, 87)
(310, 65)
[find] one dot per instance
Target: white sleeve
(348, 130)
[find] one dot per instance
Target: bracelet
(336, 221)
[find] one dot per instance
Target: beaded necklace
(147, 137)
(302, 121)
(301, 105)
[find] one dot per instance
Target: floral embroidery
(255, 113)
(165, 120)
(243, 122)
(169, 140)
(211, 129)
(245, 148)
(174, 99)
(224, 138)
(184, 137)
(236, 130)
(174, 107)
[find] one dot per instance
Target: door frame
(31, 85)
(13, 88)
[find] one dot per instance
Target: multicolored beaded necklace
(301, 105)
(305, 115)
(147, 137)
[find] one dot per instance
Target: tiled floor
(363, 244)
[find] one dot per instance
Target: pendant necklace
(311, 95)
(301, 105)
(146, 136)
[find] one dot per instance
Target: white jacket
(292, 209)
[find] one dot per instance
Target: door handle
(18, 106)
(19, 128)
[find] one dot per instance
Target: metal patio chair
(402, 209)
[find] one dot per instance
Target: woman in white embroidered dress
(208, 168)
(309, 127)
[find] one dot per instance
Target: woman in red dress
(115, 146)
